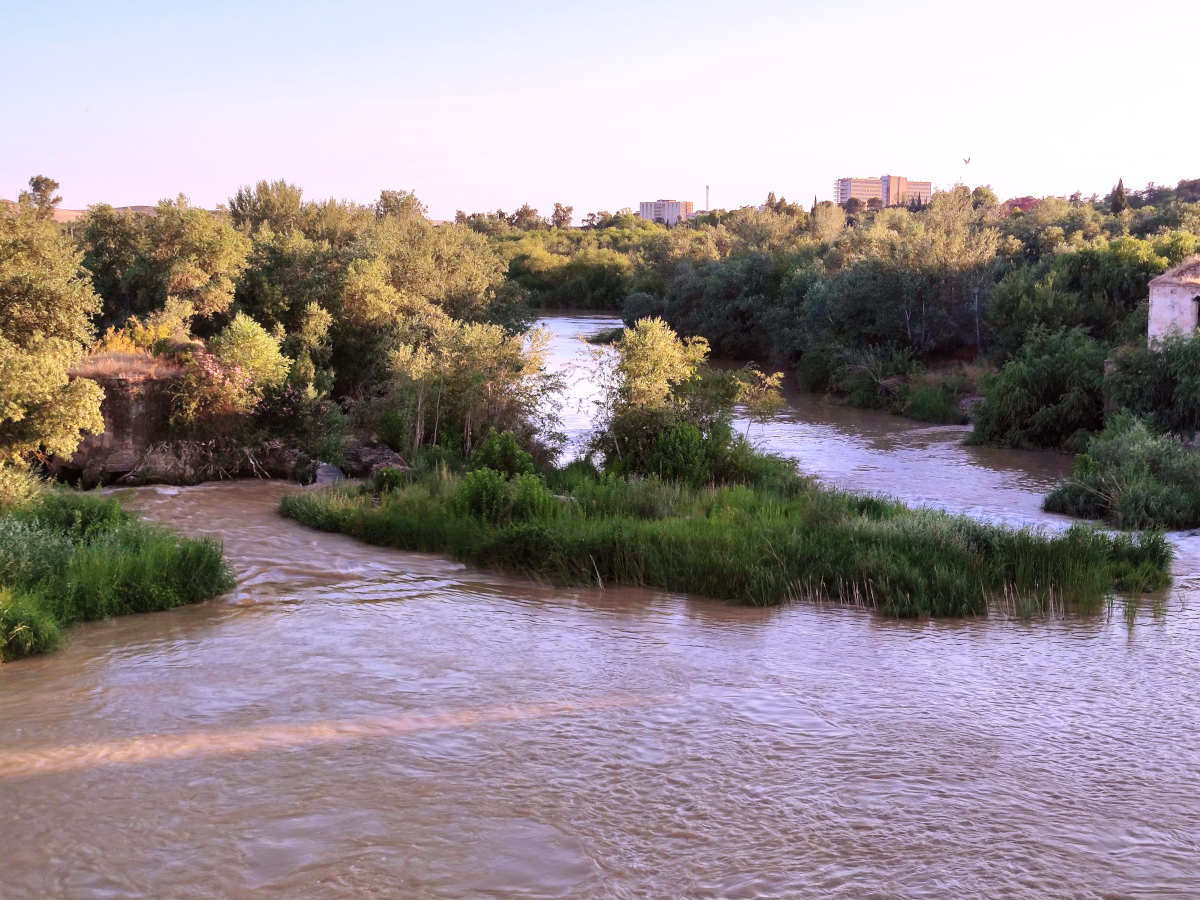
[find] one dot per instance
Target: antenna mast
(706, 207)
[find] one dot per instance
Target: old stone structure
(1175, 301)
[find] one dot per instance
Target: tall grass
(1132, 478)
(68, 558)
(751, 545)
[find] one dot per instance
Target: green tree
(652, 360)
(526, 218)
(399, 205)
(41, 195)
(561, 217)
(46, 303)
(194, 255)
(828, 222)
(275, 203)
(983, 197)
(1118, 202)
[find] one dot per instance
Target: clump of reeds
(68, 558)
(757, 545)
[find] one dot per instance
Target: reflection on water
(356, 720)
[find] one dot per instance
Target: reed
(69, 558)
(751, 545)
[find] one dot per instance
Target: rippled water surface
(360, 721)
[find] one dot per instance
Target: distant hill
(74, 215)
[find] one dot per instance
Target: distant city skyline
(478, 107)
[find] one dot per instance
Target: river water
(354, 720)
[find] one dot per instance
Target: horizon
(470, 108)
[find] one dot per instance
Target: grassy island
(757, 545)
(68, 558)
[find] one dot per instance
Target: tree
(46, 303)
(828, 221)
(1118, 202)
(983, 197)
(526, 218)
(275, 203)
(193, 255)
(875, 203)
(561, 217)
(114, 252)
(41, 195)
(400, 205)
(652, 360)
(853, 206)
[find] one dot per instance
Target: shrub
(679, 454)
(500, 451)
(244, 344)
(484, 494)
(936, 403)
(1132, 478)
(19, 487)
(1049, 395)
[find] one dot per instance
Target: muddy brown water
(354, 720)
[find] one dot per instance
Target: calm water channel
(360, 721)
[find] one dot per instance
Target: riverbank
(760, 546)
(69, 558)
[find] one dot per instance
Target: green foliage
(678, 454)
(1132, 478)
(1049, 395)
(1161, 384)
(246, 345)
(501, 452)
(756, 546)
(19, 487)
(45, 306)
(487, 495)
(68, 558)
(937, 403)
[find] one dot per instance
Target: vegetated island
(682, 503)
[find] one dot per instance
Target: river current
(353, 720)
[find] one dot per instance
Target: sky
(479, 106)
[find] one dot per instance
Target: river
(360, 721)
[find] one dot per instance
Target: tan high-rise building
(666, 211)
(890, 190)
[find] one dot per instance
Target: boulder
(363, 459)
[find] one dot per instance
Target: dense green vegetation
(1132, 477)
(68, 558)
(754, 545)
(681, 503)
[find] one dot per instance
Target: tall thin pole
(706, 206)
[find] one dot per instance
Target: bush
(937, 403)
(679, 454)
(500, 451)
(1160, 384)
(18, 487)
(1049, 395)
(1132, 478)
(244, 344)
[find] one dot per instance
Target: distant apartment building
(890, 190)
(667, 211)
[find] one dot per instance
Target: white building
(1175, 301)
(668, 212)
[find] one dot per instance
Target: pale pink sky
(479, 105)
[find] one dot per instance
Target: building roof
(1187, 273)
